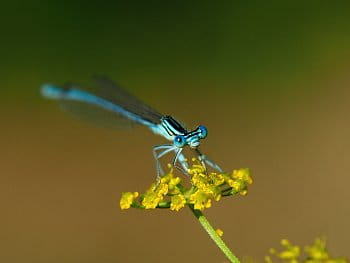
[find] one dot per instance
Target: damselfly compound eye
(179, 141)
(203, 131)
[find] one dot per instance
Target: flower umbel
(316, 253)
(127, 199)
(204, 188)
(168, 192)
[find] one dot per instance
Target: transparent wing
(107, 89)
(96, 115)
(102, 103)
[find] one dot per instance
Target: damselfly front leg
(157, 155)
(183, 162)
(179, 157)
(160, 150)
(205, 160)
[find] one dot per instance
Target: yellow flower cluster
(168, 192)
(127, 199)
(167, 185)
(317, 253)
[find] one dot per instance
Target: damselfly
(122, 108)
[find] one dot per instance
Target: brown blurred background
(269, 79)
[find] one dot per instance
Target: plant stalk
(214, 236)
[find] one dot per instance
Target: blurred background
(269, 79)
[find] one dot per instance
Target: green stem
(214, 236)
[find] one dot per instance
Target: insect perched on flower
(126, 109)
(118, 107)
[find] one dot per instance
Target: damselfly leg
(179, 157)
(157, 155)
(205, 160)
(183, 162)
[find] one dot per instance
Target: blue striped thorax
(180, 136)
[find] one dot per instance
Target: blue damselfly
(109, 100)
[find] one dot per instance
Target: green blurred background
(269, 80)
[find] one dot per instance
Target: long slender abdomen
(52, 92)
(57, 93)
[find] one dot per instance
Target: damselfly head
(179, 134)
(192, 138)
